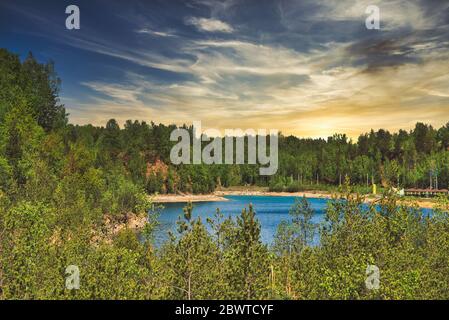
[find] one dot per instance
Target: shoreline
(422, 203)
(218, 196)
(307, 194)
(180, 198)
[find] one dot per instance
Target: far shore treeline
(68, 193)
(416, 158)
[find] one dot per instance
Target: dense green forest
(60, 184)
(141, 151)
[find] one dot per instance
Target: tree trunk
(189, 287)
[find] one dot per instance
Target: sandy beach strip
(172, 198)
(220, 196)
(307, 194)
(421, 203)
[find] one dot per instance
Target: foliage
(60, 184)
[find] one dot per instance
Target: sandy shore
(220, 196)
(167, 198)
(307, 194)
(422, 203)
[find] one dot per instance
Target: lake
(270, 211)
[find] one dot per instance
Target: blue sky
(309, 68)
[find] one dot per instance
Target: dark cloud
(374, 55)
(411, 43)
(438, 10)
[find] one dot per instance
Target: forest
(61, 183)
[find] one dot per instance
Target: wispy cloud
(209, 25)
(314, 92)
(309, 67)
(156, 33)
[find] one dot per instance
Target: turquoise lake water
(270, 211)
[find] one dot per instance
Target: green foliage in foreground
(62, 186)
(230, 262)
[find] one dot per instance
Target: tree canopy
(63, 186)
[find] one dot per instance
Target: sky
(309, 68)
